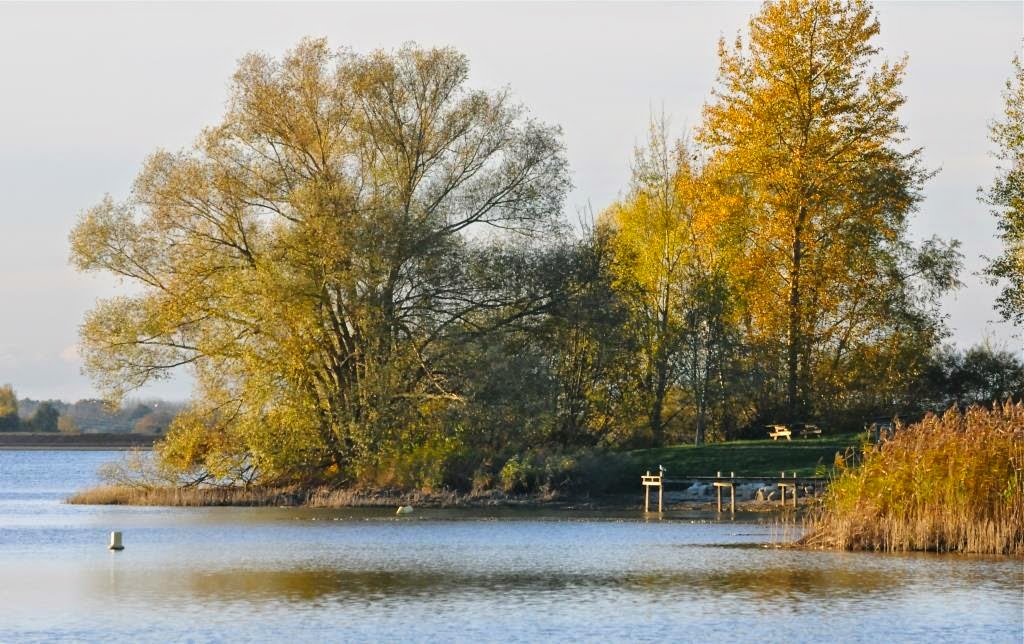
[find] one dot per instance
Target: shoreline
(326, 498)
(40, 441)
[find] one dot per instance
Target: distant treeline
(151, 416)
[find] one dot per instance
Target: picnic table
(803, 430)
(780, 431)
(809, 430)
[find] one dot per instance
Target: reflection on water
(498, 575)
(300, 585)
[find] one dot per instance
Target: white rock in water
(404, 509)
(698, 489)
(748, 490)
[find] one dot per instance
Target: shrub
(588, 470)
(518, 475)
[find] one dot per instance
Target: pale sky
(89, 90)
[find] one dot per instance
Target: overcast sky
(88, 90)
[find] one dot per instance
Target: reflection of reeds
(785, 529)
(950, 484)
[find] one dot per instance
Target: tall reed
(948, 484)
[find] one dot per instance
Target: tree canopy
(366, 267)
(1006, 196)
(804, 125)
(313, 254)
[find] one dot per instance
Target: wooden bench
(810, 430)
(780, 431)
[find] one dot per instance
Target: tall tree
(9, 420)
(312, 255)
(668, 263)
(1006, 196)
(803, 123)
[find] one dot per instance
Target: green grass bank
(807, 457)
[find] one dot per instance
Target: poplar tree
(803, 124)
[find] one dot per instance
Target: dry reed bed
(292, 496)
(947, 484)
(189, 496)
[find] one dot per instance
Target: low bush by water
(949, 484)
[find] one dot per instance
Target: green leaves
(1006, 195)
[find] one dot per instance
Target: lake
(243, 574)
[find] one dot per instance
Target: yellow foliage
(804, 132)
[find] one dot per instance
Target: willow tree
(804, 124)
(310, 257)
(1006, 196)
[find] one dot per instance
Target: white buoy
(404, 509)
(115, 541)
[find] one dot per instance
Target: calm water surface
(259, 574)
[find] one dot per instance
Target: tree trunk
(794, 334)
(658, 405)
(701, 422)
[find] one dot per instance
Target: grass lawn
(766, 457)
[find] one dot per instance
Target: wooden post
(648, 482)
(732, 493)
(718, 491)
(647, 495)
(782, 491)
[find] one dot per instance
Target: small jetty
(785, 482)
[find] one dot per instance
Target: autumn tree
(67, 425)
(1006, 196)
(670, 251)
(314, 255)
(803, 124)
(9, 420)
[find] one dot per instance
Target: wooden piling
(718, 491)
(782, 488)
(731, 484)
(647, 493)
(732, 493)
(649, 480)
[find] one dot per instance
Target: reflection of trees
(771, 584)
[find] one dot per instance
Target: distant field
(746, 458)
(31, 440)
